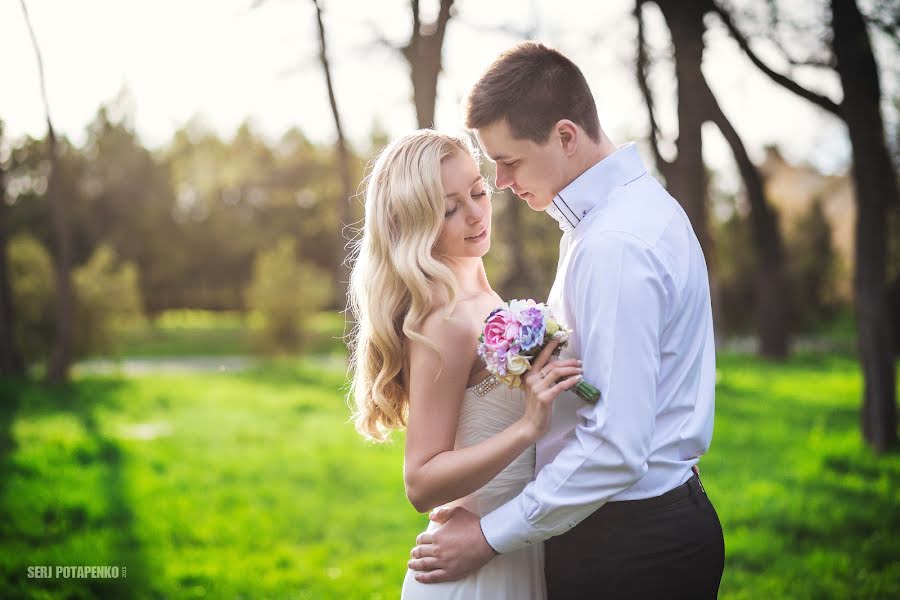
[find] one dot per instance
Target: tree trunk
(61, 355)
(11, 362)
(423, 54)
(772, 297)
(686, 175)
(342, 280)
(876, 188)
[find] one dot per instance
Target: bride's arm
(434, 472)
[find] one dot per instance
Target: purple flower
(531, 337)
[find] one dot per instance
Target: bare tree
(876, 189)
(687, 28)
(423, 55)
(61, 356)
(343, 156)
(685, 175)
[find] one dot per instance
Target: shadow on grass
(11, 392)
(61, 523)
(816, 508)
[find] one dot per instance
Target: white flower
(517, 364)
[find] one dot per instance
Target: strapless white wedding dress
(517, 575)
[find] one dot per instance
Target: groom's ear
(567, 132)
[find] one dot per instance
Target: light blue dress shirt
(632, 284)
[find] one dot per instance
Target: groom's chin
(535, 203)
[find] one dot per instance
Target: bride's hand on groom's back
(547, 378)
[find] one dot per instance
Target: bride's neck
(471, 278)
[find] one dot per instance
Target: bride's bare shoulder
(445, 329)
(461, 326)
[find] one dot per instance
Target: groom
(615, 497)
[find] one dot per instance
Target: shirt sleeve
(618, 300)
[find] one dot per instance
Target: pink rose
(495, 329)
(512, 330)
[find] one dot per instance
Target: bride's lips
(479, 237)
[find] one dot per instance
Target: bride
(420, 295)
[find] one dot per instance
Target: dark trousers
(666, 547)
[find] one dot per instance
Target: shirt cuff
(507, 530)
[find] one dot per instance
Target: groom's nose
(502, 179)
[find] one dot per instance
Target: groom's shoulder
(641, 210)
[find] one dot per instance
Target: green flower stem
(587, 392)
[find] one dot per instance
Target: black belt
(623, 507)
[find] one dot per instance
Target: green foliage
(255, 485)
(518, 229)
(192, 333)
(736, 263)
(106, 293)
(813, 268)
(192, 216)
(812, 272)
(33, 290)
(283, 295)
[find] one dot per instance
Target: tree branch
(415, 16)
(513, 32)
(884, 16)
(380, 40)
(748, 170)
(782, 80)
(890, 28)
(811, 60)
(40, 62)
(326, 68)
(443, 18)
(641, 63)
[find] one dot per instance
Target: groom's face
(534, 172)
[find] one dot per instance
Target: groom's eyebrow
(474, 181)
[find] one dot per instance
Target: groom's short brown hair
(532, 87)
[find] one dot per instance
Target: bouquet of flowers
(517, 332)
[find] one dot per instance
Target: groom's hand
(453, 551)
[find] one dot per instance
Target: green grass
(254, 485)
(208, 333)
(185, 333)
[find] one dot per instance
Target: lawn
(209, 333)
(253, 485)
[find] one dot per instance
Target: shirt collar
(594, 186)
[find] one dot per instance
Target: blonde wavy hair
(396, 280)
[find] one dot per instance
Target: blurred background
(179, 183)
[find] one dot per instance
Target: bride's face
(467, 209)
